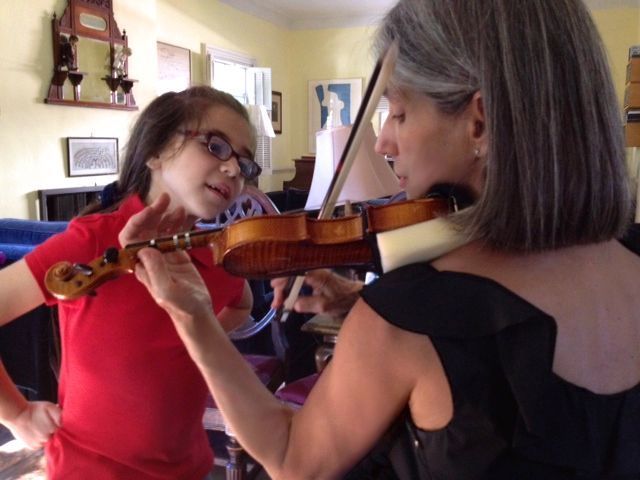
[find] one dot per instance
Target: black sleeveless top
(513, 417)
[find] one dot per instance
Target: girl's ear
(154, 163)
(478, 124)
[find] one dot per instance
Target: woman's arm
(372, 377)
(31, 422)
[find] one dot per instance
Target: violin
(262, 247)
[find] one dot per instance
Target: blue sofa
(18, 237)
(28, 344)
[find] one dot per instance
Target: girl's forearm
(234, 316)
(12, 403)
(231, 317)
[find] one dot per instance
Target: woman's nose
(385, 143)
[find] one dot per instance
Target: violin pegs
(110, 255)
(84, 269)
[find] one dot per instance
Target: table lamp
(370, 177)
(260, 120)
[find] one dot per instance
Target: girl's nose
(231, 167)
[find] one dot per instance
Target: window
(227, 71)
(380, 115)
(237, 74)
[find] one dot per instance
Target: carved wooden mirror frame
(92, 19)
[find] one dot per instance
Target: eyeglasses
(220, 148)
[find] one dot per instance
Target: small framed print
(174, 68)
(276, 111)
(332, 103)
(92, 156)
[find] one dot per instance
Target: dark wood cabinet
(65, 203)
(304, 173)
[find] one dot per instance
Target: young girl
(130, 399)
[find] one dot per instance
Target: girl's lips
(220, 190)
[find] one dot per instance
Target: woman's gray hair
(555, 169)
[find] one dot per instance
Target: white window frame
(225, 56)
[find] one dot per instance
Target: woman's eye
(398, 116)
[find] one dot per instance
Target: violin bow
(378, 82)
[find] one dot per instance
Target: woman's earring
(476, 153)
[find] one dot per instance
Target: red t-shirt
(132, 400)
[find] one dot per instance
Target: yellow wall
(33, 134)
(193, 24)
(617, 26)
(322, 55)
(620, 29)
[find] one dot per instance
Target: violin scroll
(67, 281)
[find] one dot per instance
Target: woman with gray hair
(513, 356)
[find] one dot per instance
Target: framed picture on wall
(276, 111)
(174, 68)
(92, 156)
(332, 103)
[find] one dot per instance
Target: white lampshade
(370, 176)
(260, 119)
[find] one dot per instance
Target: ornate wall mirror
(90, 58)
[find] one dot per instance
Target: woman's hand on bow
(331, 293)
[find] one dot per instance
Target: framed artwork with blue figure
(332, 103)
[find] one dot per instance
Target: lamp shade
(260, 120)
(370, 176)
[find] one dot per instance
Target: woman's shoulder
(423, 299)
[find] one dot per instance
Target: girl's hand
(332, 293)
(153, 222)
(36, 423)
